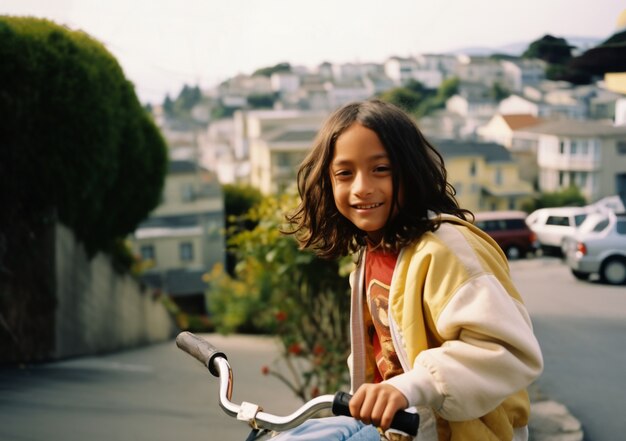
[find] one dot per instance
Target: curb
(551, 421)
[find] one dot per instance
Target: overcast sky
(162, 44)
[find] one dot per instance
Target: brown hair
(417, 168)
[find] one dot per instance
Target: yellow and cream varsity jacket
(462, 334)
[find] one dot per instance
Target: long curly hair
(417, 168)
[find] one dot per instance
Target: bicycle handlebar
(216, 362)
(200, 349)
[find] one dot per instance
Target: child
(436, 323)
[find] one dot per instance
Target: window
(147, 252)
(579, 218)
(472, 170)
(187, 192)
(498, 176)
(620, 227)
(562, 147)
(561, 221)
(186, 251)
(621, 147)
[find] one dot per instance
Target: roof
(567, 127)
(519, 120)
(184, 166)
(292, 134)
(490, 151)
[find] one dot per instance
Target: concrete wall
(99, 310)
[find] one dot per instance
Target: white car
(599, 247)
(551, 225)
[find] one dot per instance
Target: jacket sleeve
(489, 353)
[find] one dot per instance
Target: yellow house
(183, 237)
(484, 175)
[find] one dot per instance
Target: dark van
(509, 230)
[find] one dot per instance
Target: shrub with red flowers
(281, 290)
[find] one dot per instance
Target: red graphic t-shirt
(379, 266)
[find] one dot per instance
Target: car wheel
(513, 252)
(613, 271)
(580, 275)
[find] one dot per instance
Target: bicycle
(262, 423)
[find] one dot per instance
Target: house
(519, 73)
(479, 69)
(182, 239)
(554, 105)
(475, 110)
(590, 155)
(400, 69)
(484, 175)
(277, 142)
(501, 130)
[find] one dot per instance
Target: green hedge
(75, 142)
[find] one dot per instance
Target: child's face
(361, 173)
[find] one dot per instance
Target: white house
(590, 155)
(523, 72)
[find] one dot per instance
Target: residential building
(480, 69)
(183, 238)
(501, 130)
(590, 155)
(555, 105)
(484, 175)
(400, 69)
(278, 141)
(521, 72)
(275, 157)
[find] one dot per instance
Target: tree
(552, 50)
(402, 97)
(238, 201)
(268, 71)
(280, 290)
(557, 52)
(76, 142)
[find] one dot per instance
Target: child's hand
(377, 404)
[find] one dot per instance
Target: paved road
(159, 393)
(582, 330)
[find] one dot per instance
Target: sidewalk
(551, 421)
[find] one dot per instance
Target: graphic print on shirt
(386, 357)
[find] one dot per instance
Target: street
(581, 327)
(160, 393)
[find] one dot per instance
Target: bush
(280, 290)
(75, 142)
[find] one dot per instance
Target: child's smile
(361, 177)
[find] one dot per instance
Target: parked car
(509, 230)
(599, 247)
(551, 225)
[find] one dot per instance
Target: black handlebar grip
(404, 421)
(200, 349)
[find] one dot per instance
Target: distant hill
(581, 44)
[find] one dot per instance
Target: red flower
(318, 349)
(265, 370)
(295, 349)
(281, 316)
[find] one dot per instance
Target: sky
(164, 44)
